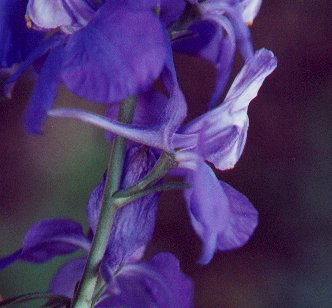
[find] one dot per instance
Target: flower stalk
(85, 293)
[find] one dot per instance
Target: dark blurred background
(285, 171)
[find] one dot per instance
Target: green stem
(84, 295)
(122, 199)
(159, 170)
(99, 289)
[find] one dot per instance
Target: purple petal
(242, 33)
(175, 110)
(6, 90)
(151, 136)
(116, 55)
(17, 41)
(49, 238)
(66, 278)
(170, 10)
(250, 10)
(155, 283)
(214, 40)
(222, 217)
(44, 92)
(208, 208)
(233, 11)
(243, 220)
(223, 130)
(150, 109)
(66, 14)
(4, 262)
(35, 54)
(95, 203)
(202, 33)
(225, 43)
(250, 79)
(134, 223)
(155, 110)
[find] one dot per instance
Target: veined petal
(157, 282)
(233, 11)
(152, 136)
(247, 83)
(48, 14)
(208, 208)
(51, 237)
(67, 276)
(175, 109)
(222, 217)
(223, 129)
(17, 41)
(47, 239)
(224, 58)
(134, 223)
(116, 55)
(44, 92)
(159, 111)
(242, 223)
(67, 14)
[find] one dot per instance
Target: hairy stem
(84, 295)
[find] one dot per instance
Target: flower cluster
(113, 52)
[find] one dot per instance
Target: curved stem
(84, 295)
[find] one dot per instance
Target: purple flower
(220, 29)
(218, 135)
(222, 217)
(49, 238)
(156, 120)
(103, 53)
(157, 282)
(133, 224)
(125, 274)
(17, 41)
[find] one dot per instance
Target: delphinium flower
(120, 53)
(17, 41)
(221, 216)
(128, 281)
(220, 27)
(103, 52)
